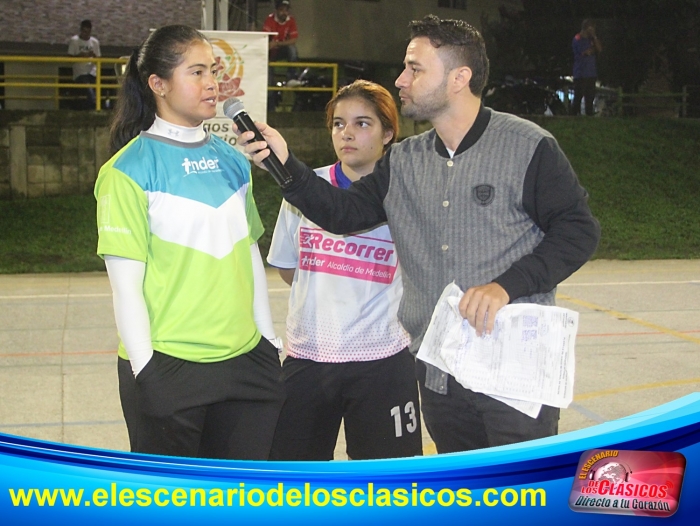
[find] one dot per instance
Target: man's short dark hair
(461, 43)
(280, 3)
(85, 23)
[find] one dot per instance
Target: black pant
(88, 103)
(377, 400)
(463, 420)
(584, 88)
(223, 409)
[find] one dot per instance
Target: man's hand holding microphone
(266, 147)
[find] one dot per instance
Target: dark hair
(463, 45)
(376, 96)
(160, 54)
(85, 23)
(588, 22)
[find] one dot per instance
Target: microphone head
(233, 107)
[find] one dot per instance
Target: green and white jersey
(187, 211)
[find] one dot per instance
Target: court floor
(638, 347)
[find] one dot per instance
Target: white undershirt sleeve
(130, 311)
(261, 301)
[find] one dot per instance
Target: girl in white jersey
(347, 354)
(178, 229)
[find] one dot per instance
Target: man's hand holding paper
(528, 357)
(480, 305)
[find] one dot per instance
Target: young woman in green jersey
(198, 374)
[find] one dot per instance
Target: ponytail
(136, 108)
(159, 55)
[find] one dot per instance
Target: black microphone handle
(272, 162)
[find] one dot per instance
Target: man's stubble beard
(432, 105)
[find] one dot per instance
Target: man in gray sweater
(485, 199)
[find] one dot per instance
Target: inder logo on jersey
(202, 165)
(643, 483)
(359, 257)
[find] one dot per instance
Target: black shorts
(223, 409)
(378, 401)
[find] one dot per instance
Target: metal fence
(52, 80)
(683, 104)
(57, 86)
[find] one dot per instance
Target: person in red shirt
(283, 44)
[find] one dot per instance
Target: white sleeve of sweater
(130, 311)
(261, 301)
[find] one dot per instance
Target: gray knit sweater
(506, 208)
(460, 219)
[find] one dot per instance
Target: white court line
(65, 296)
(622, 283)
(49, 296)
(287, 289)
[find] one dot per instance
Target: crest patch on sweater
(484, 194)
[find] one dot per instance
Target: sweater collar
(473, 135)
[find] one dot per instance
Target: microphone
(234, 110)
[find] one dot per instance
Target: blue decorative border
(547, 464)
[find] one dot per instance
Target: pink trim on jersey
(332, 174)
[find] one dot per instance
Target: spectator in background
(283, 44)
(85, 45)
(585, 45)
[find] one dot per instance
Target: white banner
(242, 73)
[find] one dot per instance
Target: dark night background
(647, 44)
